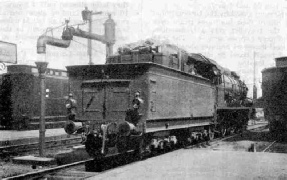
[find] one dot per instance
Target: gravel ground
(260, 139)
(8, 169)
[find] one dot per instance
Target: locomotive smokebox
(281, 62)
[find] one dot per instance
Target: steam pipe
(43, 40)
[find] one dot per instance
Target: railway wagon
(274, 88)
(186, 98)
(20, 98)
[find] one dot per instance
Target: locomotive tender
(187, 97)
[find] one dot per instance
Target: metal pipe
(43, 40)
(90, 41)
(42, 67)
(80, 33)
(108, 38)
(42, 116)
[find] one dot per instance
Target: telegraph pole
(87, 17)
(254, 79)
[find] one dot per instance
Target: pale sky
(232, 33)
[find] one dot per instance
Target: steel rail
(268, 146)
(20, 148)
(42, 173)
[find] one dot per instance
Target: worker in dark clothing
(71, 105)
(132, 115)
(137, 101)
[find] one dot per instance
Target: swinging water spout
(43, 40)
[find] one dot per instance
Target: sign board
(8, 52)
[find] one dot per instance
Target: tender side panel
(169, 96)
(174, 96)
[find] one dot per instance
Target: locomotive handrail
(105, 80)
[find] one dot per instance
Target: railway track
(48, 173)
(255, 140)
(22, 148)
(268, 147)
(77, 170)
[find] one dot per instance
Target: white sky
(230, 32)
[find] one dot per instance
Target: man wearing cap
(71, 105)
(132, 115)
(137, 101)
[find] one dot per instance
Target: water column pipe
(108, 38)
(42, 68)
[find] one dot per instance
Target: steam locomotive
(187, 98)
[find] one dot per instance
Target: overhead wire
(50, 29)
